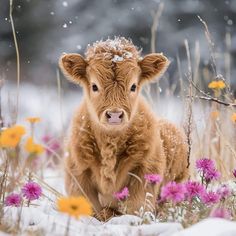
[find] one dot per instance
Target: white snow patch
(117, 58)
(33, 219)
(216, 227)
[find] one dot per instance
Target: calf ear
(74, 67)
(153, 66)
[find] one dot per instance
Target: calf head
(112, 74)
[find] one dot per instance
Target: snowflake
(117, 58)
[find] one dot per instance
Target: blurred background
(46, 29)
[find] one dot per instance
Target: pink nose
(114, 117)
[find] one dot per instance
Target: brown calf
(115, 138)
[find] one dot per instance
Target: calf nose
(114, 117)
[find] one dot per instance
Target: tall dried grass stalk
(197, 57)
(211, 46)
(228, 43)
(17, 61)
(1, 117)
(189, 122)
(59, 92)
(156, 17)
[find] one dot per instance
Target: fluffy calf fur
(104, 157)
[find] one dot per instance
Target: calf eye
(94, 87)
(133, 88)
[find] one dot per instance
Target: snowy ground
(43, 217)
(54, 224)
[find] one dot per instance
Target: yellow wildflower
(33, 119)
(215, 114)
(220, 84)
(32, 147)
(74, 206)
(233, 117)
(10, 137)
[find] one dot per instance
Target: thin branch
(208, 97)
(17, 59)
(212, 99)
(198, 89)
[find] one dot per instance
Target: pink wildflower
(205, 164)
(208, 170)
(153, 178)
(221, 212)
(194, 189)
(52, 144)
(13, 199)
(224, 191)
(122, 195)
(31, 191)
(212, 174)
(46, 138)
(210, 198)
(234, 173)
(173, 191)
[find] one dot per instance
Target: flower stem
(29, 179)
(19, 216)
(68, 226)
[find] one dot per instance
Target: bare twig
(212, 99)
(17, 60)
(208, 97)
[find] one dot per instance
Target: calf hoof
(106, 214)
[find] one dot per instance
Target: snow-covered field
(42, 218)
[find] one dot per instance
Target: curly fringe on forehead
(117, 49)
